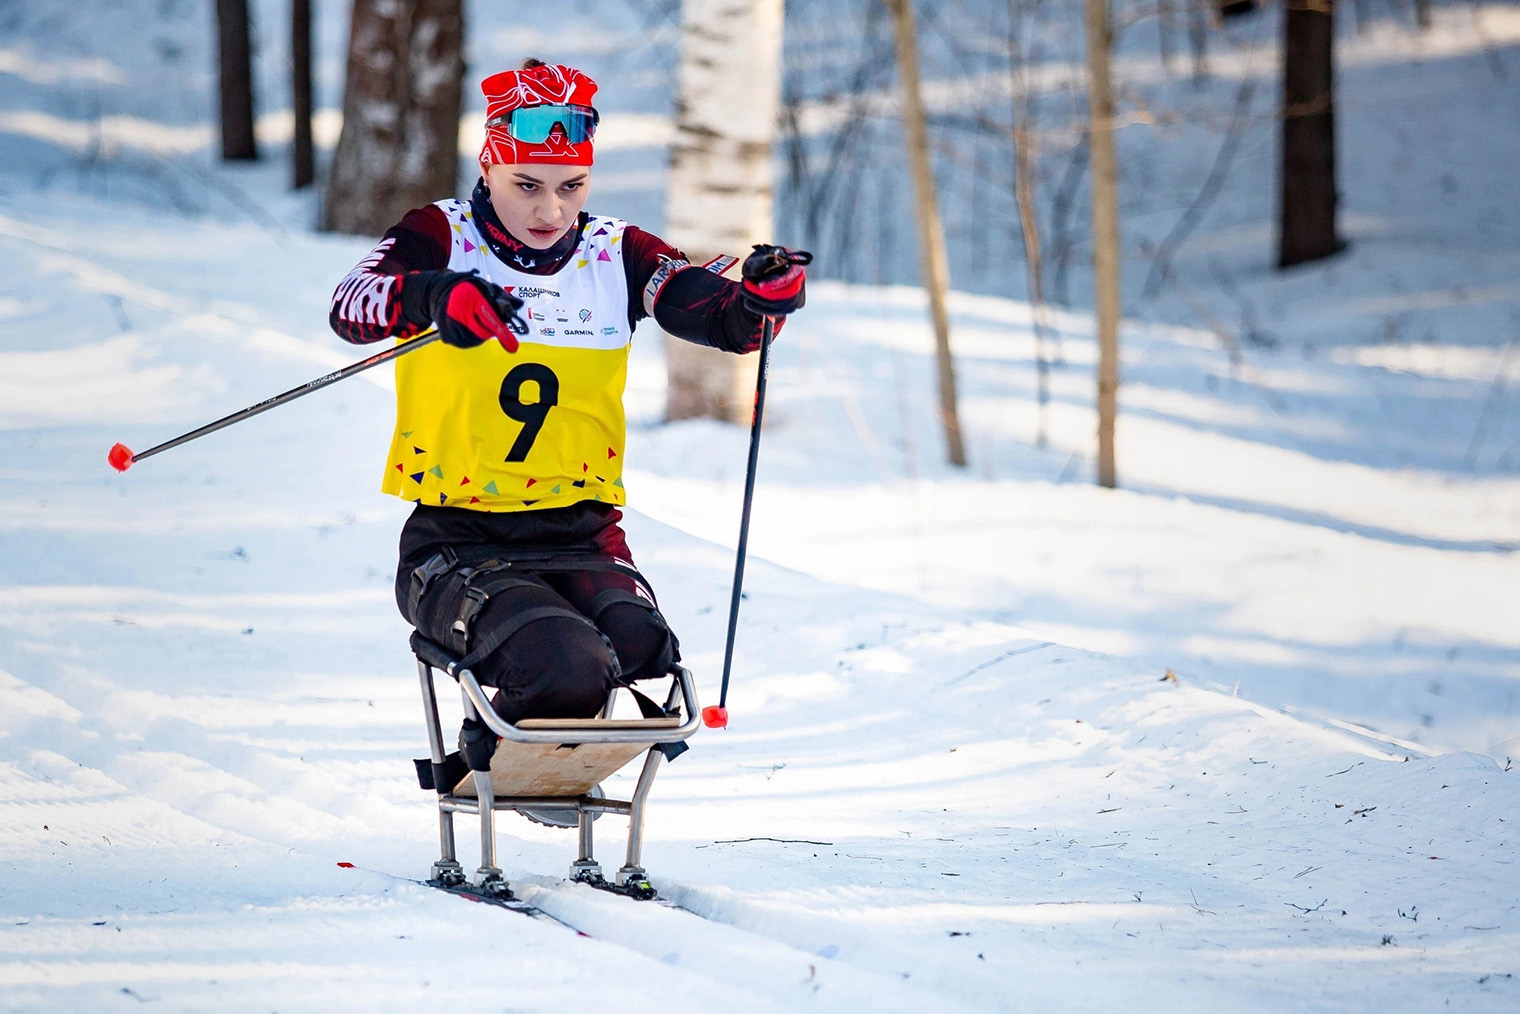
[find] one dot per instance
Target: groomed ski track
(207, 704)
(206, 701)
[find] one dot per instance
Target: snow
(957, 776)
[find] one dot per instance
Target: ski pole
(122, 458)
(716, 716)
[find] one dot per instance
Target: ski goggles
(534, 124)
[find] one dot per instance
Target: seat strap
(492, 557)
(441, 778)
(649, 709)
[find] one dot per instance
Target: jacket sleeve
(385, 295)
(688, 302)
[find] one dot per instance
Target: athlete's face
(538, 203)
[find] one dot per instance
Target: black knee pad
(645, 646)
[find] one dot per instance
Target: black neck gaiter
(513, 251)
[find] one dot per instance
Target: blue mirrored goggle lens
(534, 124)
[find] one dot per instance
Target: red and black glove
(774, 280)
(469, 310)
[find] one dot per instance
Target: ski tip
(120, 457)
(715, 717)
(348, 866)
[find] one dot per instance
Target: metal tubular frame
(631, 869)
(447, 869)
(488, 877)
(476, 697)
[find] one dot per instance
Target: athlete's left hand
(774, 280)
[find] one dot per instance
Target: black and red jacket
(384, 295)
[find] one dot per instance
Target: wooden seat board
(550, 769)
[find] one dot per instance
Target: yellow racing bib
(543, 427)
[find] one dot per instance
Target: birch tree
(399, 148)
(1105, 214)
(933, 262)
(720, 189)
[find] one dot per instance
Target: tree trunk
(720, 190)
(1105, 212)
(1306, 185)
(399, 148)
(303, 169)
(1165, 30)
(1029, 228)
(933, 264)
(235, 78)
(1198, 38)
(1363, 15)
(1024, 176)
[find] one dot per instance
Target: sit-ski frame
(631, 878)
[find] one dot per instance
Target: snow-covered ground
(956, 778)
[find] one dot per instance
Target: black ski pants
(557, 665)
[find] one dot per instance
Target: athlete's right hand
(469, 310)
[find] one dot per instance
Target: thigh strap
(485, 577)
(481, 584)
(608, 597)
